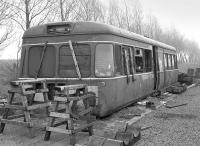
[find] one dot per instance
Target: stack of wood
(124, 135)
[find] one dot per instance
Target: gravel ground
(179, 126)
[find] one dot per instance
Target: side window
(175, 62)
(139, 64)
(173, 65)
(104, 60)
(166, 61)
(118, 60)
(169, 61)
(126, 61)
(147, 60)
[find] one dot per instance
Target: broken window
(139, 60)
(118, 60)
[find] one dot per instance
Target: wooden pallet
(26, 91)
(69, 114)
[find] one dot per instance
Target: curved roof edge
(92, 28)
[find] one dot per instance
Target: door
(156, 68)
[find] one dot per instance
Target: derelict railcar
(120, 67)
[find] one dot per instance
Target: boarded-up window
(47, 68)
(104, 60)
(66, 63)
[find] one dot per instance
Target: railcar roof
(93, 28)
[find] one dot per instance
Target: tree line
(127, 14)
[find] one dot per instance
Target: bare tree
(67, 9)
(90, 10)
(27, 13)
(152, 28)
(5, 27)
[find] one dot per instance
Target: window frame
(113, 48)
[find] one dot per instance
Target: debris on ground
(173, 104)
(117, 134)
(185, 78)
(177, 88)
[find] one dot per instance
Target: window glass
(66, 63)
(160, 61)
(148, 60)
(47, 68)
(169, 61)
(104, 60)
(173, 61)
(166, 61)
(139, 60)
(118, 60)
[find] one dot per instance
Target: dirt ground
(168, 126)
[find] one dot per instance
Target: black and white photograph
(99, 73)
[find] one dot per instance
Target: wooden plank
(59, 123)
(14, 107)
(59, 115)
(37, 106)
(19, 82)
(83, 127)
(58, 130)
(61, 99)
(70, 87)
(15, 116)
(42, 90)
(14, 122)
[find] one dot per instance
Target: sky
(184, 15)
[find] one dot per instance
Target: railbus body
(120, 67)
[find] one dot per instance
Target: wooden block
(113, 142)
(13, 122)
(59, 115)
(96, 141)
(58, 130)
(37, 106)
(15, 116)
(14, 107)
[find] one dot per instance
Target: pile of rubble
(118, 134)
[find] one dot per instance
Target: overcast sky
(184, 15)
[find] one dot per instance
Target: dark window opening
(66, 63)
(148, 60)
